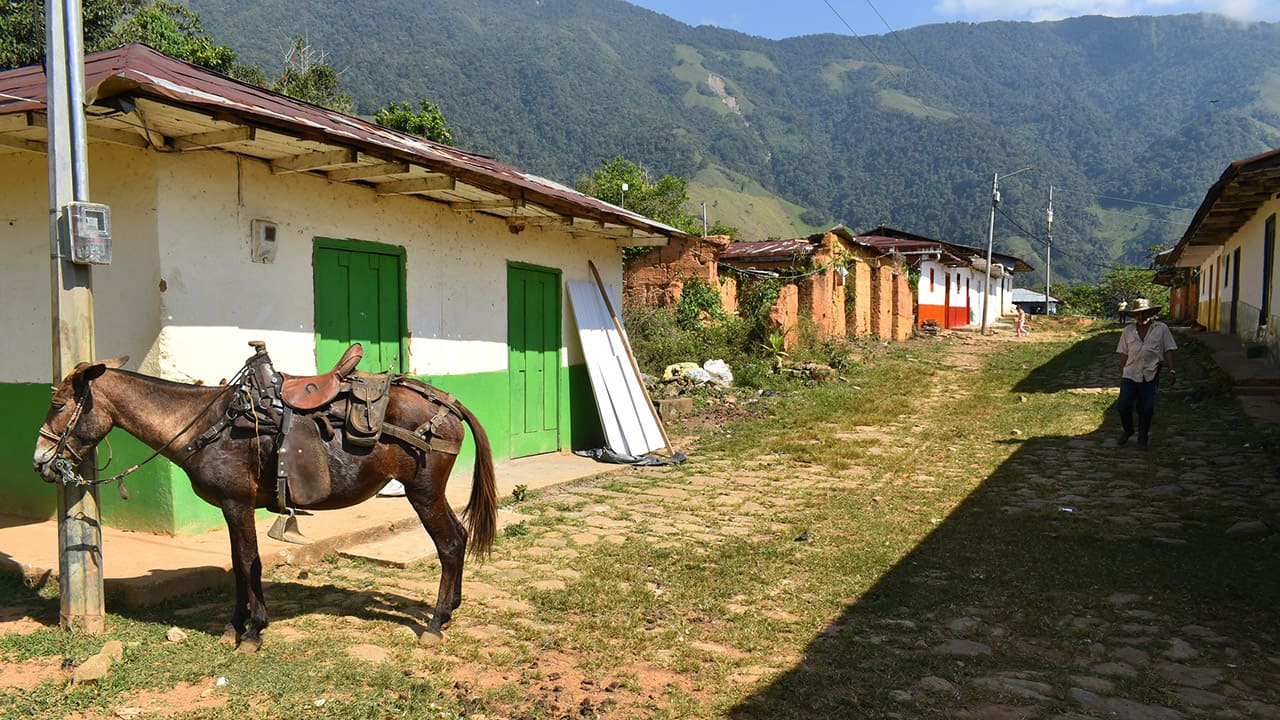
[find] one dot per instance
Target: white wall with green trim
(182, 299)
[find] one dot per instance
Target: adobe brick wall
(656, 279)
(858, 322)
(904, 303)
(784, 316)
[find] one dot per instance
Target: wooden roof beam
(119, 137)
(320, 160)
(429, 183)
(524, 221)
(214, 138)
(360, 172)
(34, 146)
(503, 204)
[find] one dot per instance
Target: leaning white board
(630, 426)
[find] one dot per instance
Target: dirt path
(582, 611)
(1103, 652)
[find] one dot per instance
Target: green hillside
(905, 130)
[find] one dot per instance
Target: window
(931, 286)
(1226, 270)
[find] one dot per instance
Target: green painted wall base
(161, 498)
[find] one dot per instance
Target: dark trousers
(1143, 395)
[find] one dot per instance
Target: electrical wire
(1127, 200)
(888, 68)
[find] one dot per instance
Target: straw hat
(1141, 305)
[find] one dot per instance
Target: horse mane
(169, 385)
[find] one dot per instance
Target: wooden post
(79, 524)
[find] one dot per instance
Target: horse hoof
(430, 638)
(248, 646)
(229, 637)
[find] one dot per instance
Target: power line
(1126, 200)
(928, 112)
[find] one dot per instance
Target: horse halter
(62, 458)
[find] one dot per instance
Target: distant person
(1020, 329)
(1146, 349)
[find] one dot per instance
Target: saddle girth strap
(426, 444)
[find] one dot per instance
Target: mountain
(782, 137)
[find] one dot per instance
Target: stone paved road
(1121, 617)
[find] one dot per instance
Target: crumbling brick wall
(858, 318)
(784, 316)
(821, 296)
(904, 305)
(656, 279)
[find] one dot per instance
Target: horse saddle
(311, 392)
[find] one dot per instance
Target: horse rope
(67, 470)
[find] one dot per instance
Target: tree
(1127, 282)
(662, 200)
(427, 122)
(307, 77)
(166, 26)
(175, 31)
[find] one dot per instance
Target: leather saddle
(310, 392)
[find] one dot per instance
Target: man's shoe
(1124, 438)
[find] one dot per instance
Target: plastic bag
(697, 375)
(719, 371)
(677, 371)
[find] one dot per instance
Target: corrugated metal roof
(137, 71)
(769, 250)
(888, 238)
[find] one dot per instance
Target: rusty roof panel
(769, 250)
(140, 70)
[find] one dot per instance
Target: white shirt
(1143, 357)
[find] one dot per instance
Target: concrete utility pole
(991, 238)
(1048, 256)
(79, 524)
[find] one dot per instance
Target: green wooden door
(359, 297)
(533, 358)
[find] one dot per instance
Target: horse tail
(481, 513)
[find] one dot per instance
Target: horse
(234, 468)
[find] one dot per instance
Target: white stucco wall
(1217, 271)
(126, 312)
(182, 296)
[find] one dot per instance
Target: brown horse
(235, 471)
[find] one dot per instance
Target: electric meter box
(89, 233)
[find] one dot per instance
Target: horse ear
(92, 371)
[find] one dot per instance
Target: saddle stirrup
(285, 529)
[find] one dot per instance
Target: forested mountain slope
(904, 129)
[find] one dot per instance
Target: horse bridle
(62, 458)
(66, 461)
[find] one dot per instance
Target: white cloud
(978, 10)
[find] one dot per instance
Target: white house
(953, 277)
(1229, 252)
(239, 214)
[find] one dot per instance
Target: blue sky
(788, 18)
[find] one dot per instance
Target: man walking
(1146, 348)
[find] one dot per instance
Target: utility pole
(704, 219)
(991, 237)
(79, 524)
(1048, 256)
